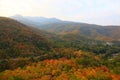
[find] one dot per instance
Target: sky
(103, 12)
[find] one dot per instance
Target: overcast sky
(104, 12)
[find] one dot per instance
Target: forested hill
(97, 32)
(18, 40)
(29, 53)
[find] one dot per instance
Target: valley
(38, 48)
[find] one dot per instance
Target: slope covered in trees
(29, 53)
(97, 32)
(20, 41)
(84, 66)
(17, 40)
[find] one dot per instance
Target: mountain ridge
(97, 32)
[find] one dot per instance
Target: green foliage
(14, 78)
(59, 69)
(25, 53)
(18, 40)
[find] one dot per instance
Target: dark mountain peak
(5, 18)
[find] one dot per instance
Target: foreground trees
(83, 67)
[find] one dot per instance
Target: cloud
(74, 10)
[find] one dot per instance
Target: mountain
(34, 21)
(19, 40)
(64, 28)
(97, 32)
(69, 52)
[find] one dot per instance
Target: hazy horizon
(101, 12)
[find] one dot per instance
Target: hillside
(18, 40)
(97, 32)
(84, 66)
(29, 53)
(81, 36)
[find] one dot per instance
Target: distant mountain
(18, 40)
(35, 21)
(97, 32)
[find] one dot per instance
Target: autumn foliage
(27, 54)
(61, 69)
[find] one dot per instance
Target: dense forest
(28, 53)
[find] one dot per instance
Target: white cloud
(76, 10)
